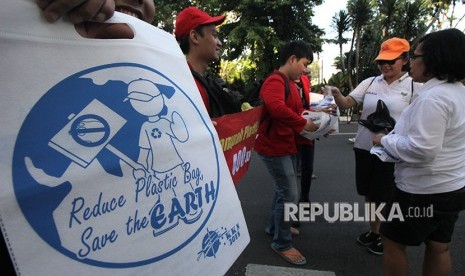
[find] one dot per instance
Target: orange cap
(393, 48)
(190, 18)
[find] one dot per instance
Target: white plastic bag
(324, 121)
(383, 155)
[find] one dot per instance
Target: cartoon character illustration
(156, 142)
(158, 132)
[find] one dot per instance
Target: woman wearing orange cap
(374, 178)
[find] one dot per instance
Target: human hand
(329, 133)
(377, 139)
(335, 91)
(78, 10)
(310, 126)
(178, 127)
(331, 110)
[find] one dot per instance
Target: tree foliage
(360, 12)
(341, 23)
(373, 21)
(256, 29)
(261, 27)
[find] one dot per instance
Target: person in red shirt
(276, 140)
(306, 147)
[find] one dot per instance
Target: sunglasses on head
(389, 62)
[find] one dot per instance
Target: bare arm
(341, 101)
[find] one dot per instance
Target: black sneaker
(376, 247)
(367, 238)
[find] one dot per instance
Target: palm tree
(388, 10)
(360, 12)
(341, 23)
(413, 21)
(437, 8)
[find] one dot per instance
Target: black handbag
(380, 119)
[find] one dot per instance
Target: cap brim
(388, 56)
(217, 20)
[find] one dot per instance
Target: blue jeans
(283, 172)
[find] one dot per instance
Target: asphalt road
(327, 246)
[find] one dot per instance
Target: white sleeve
(423, 134)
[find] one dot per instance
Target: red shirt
(306, 85)
(282, 122)
(203, 93)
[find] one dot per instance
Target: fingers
(310, 126)
(95, 10)
(377, 139)
(78, 10)
(335, 91)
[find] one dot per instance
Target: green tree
(166, 10)
(387, 14)
(360, 12)
(407, 19)
(262, 27)
(254, 30)
(413, 17)
(341, 23)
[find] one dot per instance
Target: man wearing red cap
(196, 33)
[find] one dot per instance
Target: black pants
(306, 156)
(373, 177)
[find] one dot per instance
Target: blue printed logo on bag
(108, 164)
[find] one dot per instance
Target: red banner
(237, 134)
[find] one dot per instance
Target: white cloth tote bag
(109, 164)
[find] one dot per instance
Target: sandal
(294, 232)
(291, 255)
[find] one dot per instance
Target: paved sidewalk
(267, 270)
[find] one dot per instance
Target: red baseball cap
(191, 17)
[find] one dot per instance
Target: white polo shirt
(396, 95)
(429, 139)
